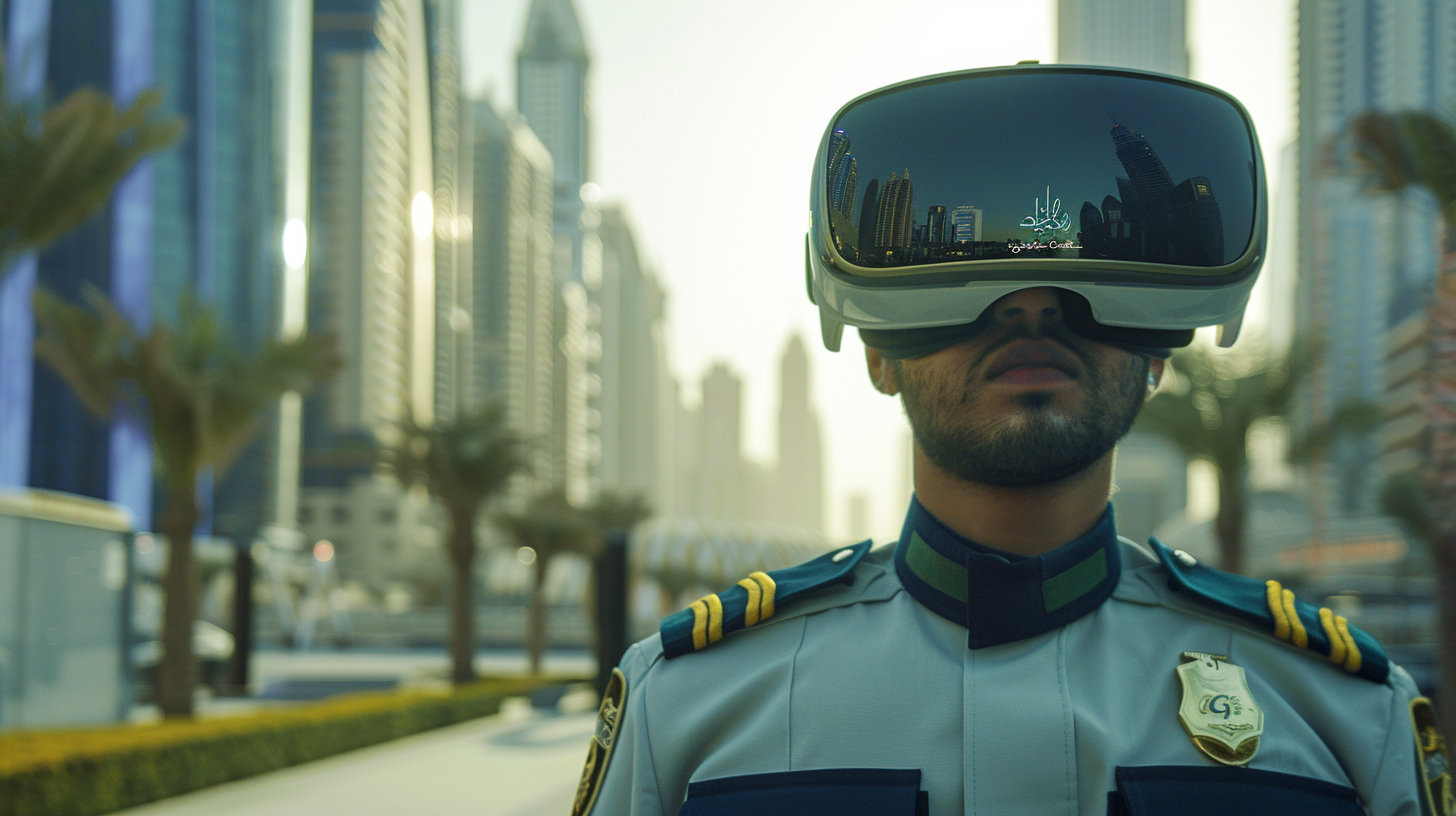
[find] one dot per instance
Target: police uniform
(938, 676)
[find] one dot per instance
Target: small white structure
(63, 610)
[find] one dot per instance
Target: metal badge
(599, 751)
(1218, 711)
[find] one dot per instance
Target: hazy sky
(723, 105)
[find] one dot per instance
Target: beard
(1036, 445)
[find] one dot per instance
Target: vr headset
(1139, 197)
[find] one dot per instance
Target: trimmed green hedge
(83, 772)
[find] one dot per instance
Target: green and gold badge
(1431, 748)
(599, 751)
(1218, 711)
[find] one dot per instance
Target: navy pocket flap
(1188, 790)
(847, 791)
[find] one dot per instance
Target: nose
(1034, 306)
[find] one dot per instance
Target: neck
(1022, 520)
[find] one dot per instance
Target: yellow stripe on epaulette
(753, 600)
(707, 621)
(760, 597)
(1288, 627)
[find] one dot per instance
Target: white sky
(722, 105)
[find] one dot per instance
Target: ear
(1155, 371)
(882, 372)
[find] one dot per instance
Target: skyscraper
(200, 216)
(452, 314)
(1364, 261)
(373, 238)
(633, 363)
(799, 481)
(513, 293)
(720, 475)
(552, 93)
(1150, 35)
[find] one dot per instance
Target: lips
(1034, 354)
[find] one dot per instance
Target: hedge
(82, 772)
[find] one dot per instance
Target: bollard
(611, 575)
(238, 666)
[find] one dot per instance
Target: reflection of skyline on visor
(1041, 165)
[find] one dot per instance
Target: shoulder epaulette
(754, 600)
(1274, 609)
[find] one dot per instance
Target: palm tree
(463, 463)
(1418, 149)
(1208, 411)
(59, 166)
(617, 512)
(202, 400)
(550, 525)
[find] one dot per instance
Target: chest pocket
(841, 791)
(1164, 790)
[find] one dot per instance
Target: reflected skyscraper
(1155, 219)
(935, 222)
(868, 213)
(895, 213)
(965, 224)
(842, 175)
(1145, 170)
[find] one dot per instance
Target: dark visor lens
(1042, 164)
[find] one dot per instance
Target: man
(1010, 654)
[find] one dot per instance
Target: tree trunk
(536, 619)
(462, 596)
(1229, 524)
(177, 672)
(1440, 416)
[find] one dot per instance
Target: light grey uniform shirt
(866, 676)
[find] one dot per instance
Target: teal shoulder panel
(755, 599)
(1254, 602)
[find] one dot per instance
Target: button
(1187, 559)
(841, 555)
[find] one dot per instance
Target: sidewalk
(522, 762)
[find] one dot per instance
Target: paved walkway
(522, 762)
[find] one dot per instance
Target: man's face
(1025, 402)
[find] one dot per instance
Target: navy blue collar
(1001, 597)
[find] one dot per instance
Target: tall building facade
(1365, 262)
(553, 95)
(513, 290)
(1150, 35)
(451, 222)
(372, 247)
(632, 365)
(798, 496)
(721, 479)
(199, 217)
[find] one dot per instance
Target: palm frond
(59, 166)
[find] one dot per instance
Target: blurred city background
(387, 305)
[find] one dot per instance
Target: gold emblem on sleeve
(1218, 710)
